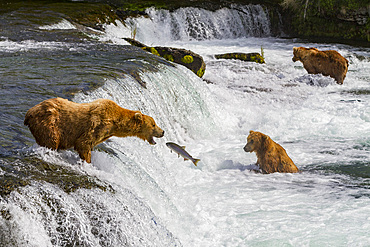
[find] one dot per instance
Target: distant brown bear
(271, 157)
(329, 63)
(61, 124)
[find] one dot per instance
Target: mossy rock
(248, 57)
(187, 58)
(151, 50)
(168, 57)
(201, 72)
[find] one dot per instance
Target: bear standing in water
(329, 63)
(61, 124)
(271, 157)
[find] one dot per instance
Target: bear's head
(301, 53)
(296, 54)
(148, 128)
(255, 141)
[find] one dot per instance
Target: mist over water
(162, 200)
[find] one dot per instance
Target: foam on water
(324, 127)
(9, 46)
(62, 25)
(87, 217)
(221, 202)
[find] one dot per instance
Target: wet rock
(23, 172)
(187, 58)
(125, 13)
(248, 57)
(360, 16)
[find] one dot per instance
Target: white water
(188, 24)
(63, 25)
(221, 202)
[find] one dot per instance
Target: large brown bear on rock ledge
(271, 157)
(61, 124)
(329, 63)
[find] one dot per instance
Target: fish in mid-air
(181, 151)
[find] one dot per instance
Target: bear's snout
(247, 148)
(159, 133)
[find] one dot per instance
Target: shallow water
(161, 200)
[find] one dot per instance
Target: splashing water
(188, 24)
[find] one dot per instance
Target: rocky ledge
(23, 172)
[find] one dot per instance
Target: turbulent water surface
(156, 198)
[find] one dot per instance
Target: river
(159, 199)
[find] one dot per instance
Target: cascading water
(167, 94)
(188, 24)
(150, 197)
(200, 24)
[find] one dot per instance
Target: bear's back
(56, 123)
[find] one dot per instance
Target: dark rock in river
(249, 57)
(187, 58)
(20, 173)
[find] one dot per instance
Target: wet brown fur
(61, 124)
(329, 63)
(271, 157)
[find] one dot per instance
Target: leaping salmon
(181, 151)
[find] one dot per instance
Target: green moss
(331, 29)
(200, 72)
(88, 14)
(151, 50)
(141, 5)
(154, 51)
(321, 19)
(252, 57)
(257, 59)
(168, 57)
(187, 59)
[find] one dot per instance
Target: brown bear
(61, 124)
(271, 157)
(329, 63)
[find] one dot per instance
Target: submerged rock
(249, 57)
(187, 58)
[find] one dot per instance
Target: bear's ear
(251, 132)
(265, 137)
(138, 116)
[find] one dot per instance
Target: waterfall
(137, 194)
(190, 23)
